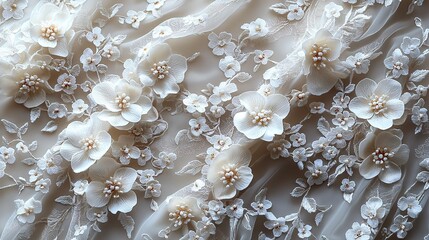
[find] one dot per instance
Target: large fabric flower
(124, 103)
(183, 210)
(378, 103)
(162, 70)
(229, 172)
(50, 27)
(321, 65)
(263, 117)
(86, 143)
(383, 153)
(111, 185)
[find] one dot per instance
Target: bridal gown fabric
(224, 119)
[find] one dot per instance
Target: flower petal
(278, 104)
(359, 106)
(104, 94)
(365, 88)
(246, 177)
(390, 174)
(244, 124)
(103, 144)
(390, 88)
(394, 109)
(387, 140)
(67, 150)
(380, 121)
(178, 66)
(368, 169)
(114, 118)
(402, 155)
(103, 169)
(252, 101)
(81, 161)
(124, 203)
(220, 191)
(95, 196)
(127, 177)
(133, 113)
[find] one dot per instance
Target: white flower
(221, 44)
(304, 231)
(419, 115)
(51, 163)
(165, 160)
(26, 211)
(7, 155)
(235, 209)
(42, 185)
(216, 210)
(198, 126)
(183, 210)
(125, 150)
(154, 5)
(217, 111)
(411, 205)
(262, 57)
(222, 93)
(359, 232)
(56, 110)
(80, 186)
(266, 90)
(347, 186)
(111, 185)
(153, 189)
(279, 148)
(35, 174)
(21, 147)
(278, 225)
(383, 153)
(257, 28)
(161, 31)
(411, 46)
(220, 142)
(379, 103)
(358, 62)
(195, 103)
(13, 9)
(373, 211)
(134, 18)
(97, 214)
(398, 63)
(124, 103)
(79, 107)
(321, 65)
(263, 117)
(333, 10)
(86, 143)
(229, 66)
(229, 172)
(162, 70)
(344, 120)
(95, 36)
(66, 83)
(49, 27)
(401, 226)
(90, 60)
(146, 175)
(317, 172)
(261, 205)
(295, 12)
(111, 52)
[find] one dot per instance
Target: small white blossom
(262, 57)
(235, 209)
(220, 142)
(79, 187)
(359, 232)
(333, 10)
(398, 63)
(411, 46)
(317, 172)
(358, 62)
(26, 211)
(277, 225)
(7, 155)
(161, 31)
(79, 107)
(13, 9)
(198, 126)
(347, 186)
(229, 66)
(125, 150)
(111, 52)
(256, 29)
(295, 12)
(221, 44)
(95, 36)
(134, 18)
(373, 211)
(304, 230)
(411, 205)
(56, 110)
(42, 185)
(66, 83)
(90, 60)
(401, 226)
(222, 93)
(165, 160)
(195, 103)
(279, 148)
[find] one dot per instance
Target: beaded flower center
(88, 143)
(181, 216)
(398, 65)
(49, 32)
(381, 157)
(316, 173)
(66, 84)
(30, 84)
(261, 118)
(160, 70)
(113, 188)
(378, 104)
(229, 175)
(122, 100)
(319, 55)
(28, 210)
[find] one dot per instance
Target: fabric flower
(277, 225)
(111, 185)
(162, 70)
(161, 31)
(183, 210)
(379, 103)
(411, 46)
(347, 186)
(124, 103)
(321, 65)
(49, 27)
(262, 57)
(195, 103)
(7, 155)
(358, 62)
(359, 232)
(229, 172)
(42, 185)
(86, 143)
(13, 9)
(80, 186)
(373, 211)
(256, 29)
(222, 93)
(263, 117)
(229, 66)
(134, 18)
(125, 150)
(411, 205)
(198, 126)
(235, 209)
(26, 211)
(333, 10)
(216, 210)
(295, 12)
(111, 52)
(304, 231)
(221, 44)
(66, 83)
(398, 63)
(317, 172)
(383, 153)
(90, 60)
(95, 36)
(401, 226)
(56, 110)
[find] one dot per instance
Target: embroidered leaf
(29, 161)
(179, 135)
(65, 200)
(418, 75)
(153, 205)
(298, 192)
(246, 222)
(350, 88)
(32, 146)
(114, 9)
(291, 217)
(34, 114)
(279, 8)
(242, 77)
(348, 197)
(318, 218)
(10, 126)
(127, 222)
(50, 127)
(193, 167)
(193, 57)
(119, 39)
(309, 204)
(323, 126)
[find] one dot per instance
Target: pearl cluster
(398, 65)
(88, 143)
(123, 100)
(50, 32)
(377, 103)
(381, 156)
(160, 70)
(319, 55)
(113, 188)
(262, 118)
(28, 210)
(229, 175)
(181, 216)
(30, 83)
(316, 173)
(67, 83)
